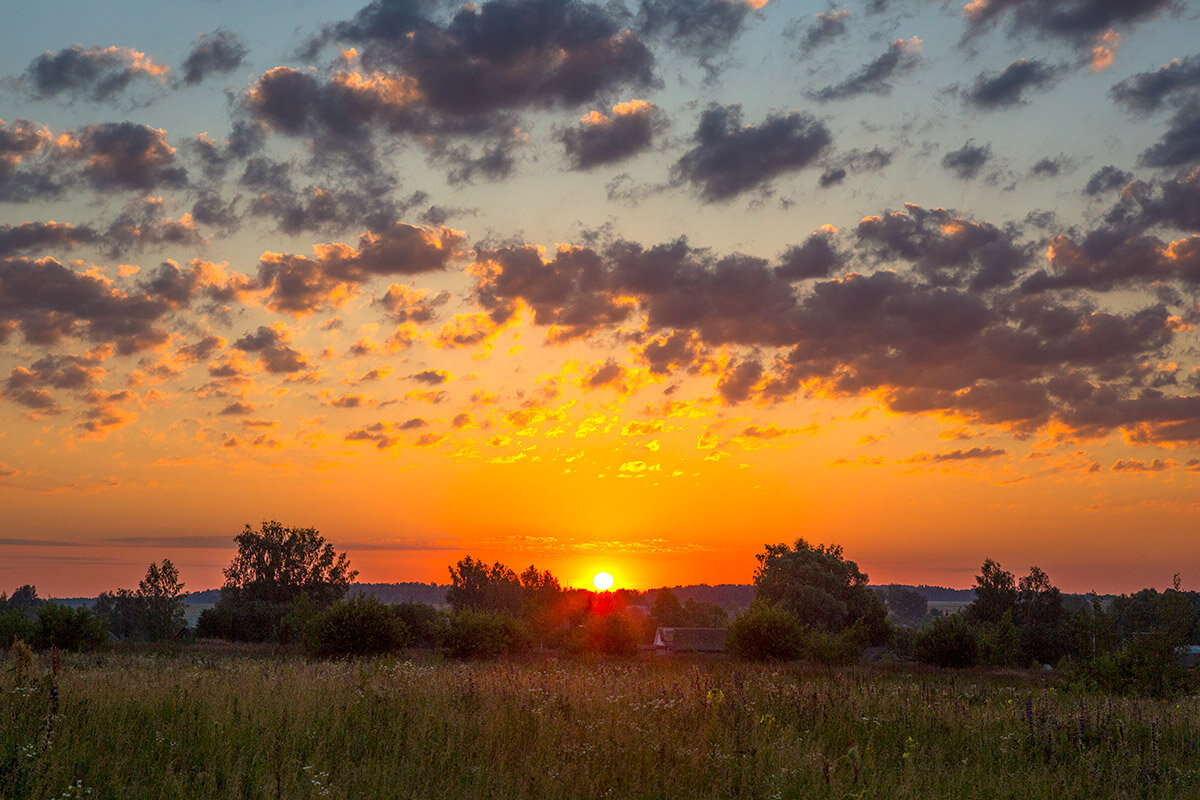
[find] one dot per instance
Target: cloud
(946, 248)
(1147, 92)
(1106, 179)
(817, 257)
(825, 28)
(216, 53)
(271, 346)
(128, 156)
(49, 301)
(41, 235)
(703, 28)
(301, 285)
(1180, 145)
(968, 160)
(1075, 21)
(973, 454)
(96, 74)
(1004, 89)
(503, 54)
(901, 56)
(599, 139)
(730, 158)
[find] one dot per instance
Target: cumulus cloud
(1006, 88)
(216, 53)
(901, 56)
(730, 158)
(968, 160)
(1180, 145)
(601, 139)
(502, 54)
(703, 28)
(301, 285)
(825, 27)
(1075, 21)
(270, 344)
(95, 73)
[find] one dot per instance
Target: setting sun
(603, 581)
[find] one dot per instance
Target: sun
(603, 581)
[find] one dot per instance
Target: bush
(608, 634)
(426, 625)
(242, 620)
(69, 628)
(15, 625)
(947, 642)
(765, 632)
(360, 626)
(1148, 664)
(484, 634)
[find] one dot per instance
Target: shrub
(69, 628)
(484, 634)
(242, 620)
(608, 634)
(947, 642)
(426, 625)
(15, 625)
(765, 632)
(360, 626)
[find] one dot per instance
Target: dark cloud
(738, 382)
(1180, 145)
(825, 27)
(129, 156)
(600, 139)
(271, 345)
(39, 235)
(1003, 89)
(968, 160)
(973, 454)
(26, 173)
(503, 54)
(49, 301)
(1147, 92)
(1106, 179)
(1049, 167)
(216, 53)
(1113, 258)
(730, 158)
(95, 73)
(1077, 21)
(608, 373)
(572, 292)
(902, 55)
(298, 284)
(854, 160)
(703, 28)
(947, 249)
(817, 257)
(430, 377)
(672, 351)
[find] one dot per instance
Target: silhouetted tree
(666, 611)
(995, 593)
(820, 588)
(476, 586)
(276, 564)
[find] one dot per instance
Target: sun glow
(603, 581)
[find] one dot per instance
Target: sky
(637, 286)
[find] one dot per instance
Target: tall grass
(197, 725)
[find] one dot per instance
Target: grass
(201, 724)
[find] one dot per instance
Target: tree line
(289, 586)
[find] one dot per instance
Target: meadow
(202, 724)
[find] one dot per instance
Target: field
(202, 724)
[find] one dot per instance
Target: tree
(276, 564)
(907, 606)
(819, 587)
(667, 612)
(995, 593)
(161, 595)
